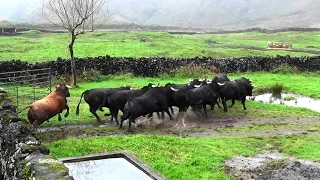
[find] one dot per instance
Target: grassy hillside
(35, 46)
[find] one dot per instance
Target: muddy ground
(270, 165)
(191, 125)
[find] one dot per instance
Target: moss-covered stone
(22, 156)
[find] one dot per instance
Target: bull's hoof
(225, 110)
(66, 115)
(59, 118)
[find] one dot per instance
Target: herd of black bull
(147, 100)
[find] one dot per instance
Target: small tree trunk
(73, 64)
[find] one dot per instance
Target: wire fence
(25, 87)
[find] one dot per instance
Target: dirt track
(193, 126)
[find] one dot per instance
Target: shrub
(276, 89)
(284, 69)
(193, 72)
(59, 80)
(91, 75)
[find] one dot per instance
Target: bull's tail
(24, 109)
(77, 110)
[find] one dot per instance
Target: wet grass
(255, 110)
(302, 83)
(188, 157)
(34, 46)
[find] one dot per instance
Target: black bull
(95, 97)
(235, 90)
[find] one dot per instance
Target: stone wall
(155, 66)
(22, 156)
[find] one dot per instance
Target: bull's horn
(196, 86)
(253, 86)
(154, 85)
(221, 84)
(201, 79)
(68, 86)
(173, 89)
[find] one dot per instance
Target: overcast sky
(8, 7)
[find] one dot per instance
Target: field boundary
(37, 81)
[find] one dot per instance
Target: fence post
(34, 93)
(17, 97)
(50, 79)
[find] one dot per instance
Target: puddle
(120, 166)
(113, 168)
(298, 101)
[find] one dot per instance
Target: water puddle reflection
(113, 168)
(290, 99)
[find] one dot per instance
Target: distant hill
(217, 14)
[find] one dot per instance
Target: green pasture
(188, 157)
(34, 46)
(177, 157)
(300, 83)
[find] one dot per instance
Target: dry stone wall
(155, 66)
(22, 156)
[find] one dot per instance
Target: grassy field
(188, 157)
(178, 157)
(34, 46)
(300, 83)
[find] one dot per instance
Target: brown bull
(46, 108)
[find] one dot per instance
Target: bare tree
(71, 15)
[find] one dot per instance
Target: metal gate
(25, 87)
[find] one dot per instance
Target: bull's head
(64, 89)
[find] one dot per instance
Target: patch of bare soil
(191, 125)
(272, 166)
